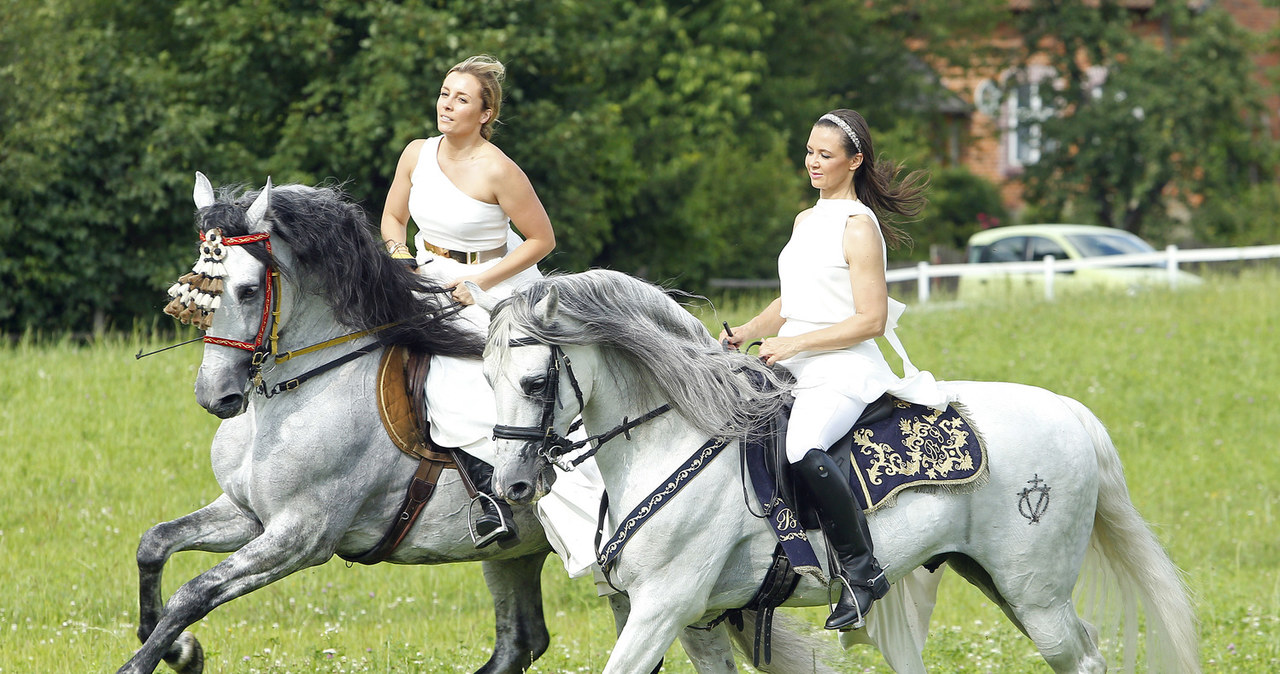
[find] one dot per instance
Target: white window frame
(1017, 116)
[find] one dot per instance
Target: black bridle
(554, 447)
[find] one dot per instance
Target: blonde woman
(464, 194)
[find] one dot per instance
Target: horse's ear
(256, 217)
(483, 299)
(547, 308)
(203, 193)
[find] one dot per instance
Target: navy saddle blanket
(895, 446)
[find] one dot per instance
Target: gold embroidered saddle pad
(912, 446)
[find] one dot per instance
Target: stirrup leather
(504, 526)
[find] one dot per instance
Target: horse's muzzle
(227, 406)
(524, 491)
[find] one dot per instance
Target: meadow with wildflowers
(95, 447)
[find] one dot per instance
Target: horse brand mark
(1034, 500)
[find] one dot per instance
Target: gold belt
(467, 257)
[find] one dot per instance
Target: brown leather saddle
(402, 406)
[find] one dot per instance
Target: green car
(1033, 243)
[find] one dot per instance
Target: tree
(663, 137)
(1173, 115)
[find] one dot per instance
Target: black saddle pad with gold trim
(912, 446)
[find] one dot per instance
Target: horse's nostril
(227, 406)
(519, 492)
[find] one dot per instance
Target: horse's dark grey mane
(336, 250)
(638, 324)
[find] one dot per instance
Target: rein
(554, 446)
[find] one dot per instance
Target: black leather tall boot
(847, 531)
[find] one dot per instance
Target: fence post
(1171, 265)
(922, 282)
(1048, 277)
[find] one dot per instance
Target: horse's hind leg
(1041, 607)
(520, 628)
(217, 527)
(710, 651)
(274, 554)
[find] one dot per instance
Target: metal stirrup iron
(504, 526)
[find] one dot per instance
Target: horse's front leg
(218, 527)
(520, 629)
(277, 552)
(653, 623)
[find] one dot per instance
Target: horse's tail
(795, 646)
(1125, 546)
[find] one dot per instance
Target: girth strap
(421, 487)
(778, 584)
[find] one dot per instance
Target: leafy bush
(1249, 218)
(960, 203)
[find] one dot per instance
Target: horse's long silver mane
(638, 325)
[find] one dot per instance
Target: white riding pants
(818, 419)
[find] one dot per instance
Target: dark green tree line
(663, 137)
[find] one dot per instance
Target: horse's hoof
(186, 656)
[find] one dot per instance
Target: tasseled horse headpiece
(196, 295)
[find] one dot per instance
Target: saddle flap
(402, 404)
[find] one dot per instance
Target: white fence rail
(1170, 258)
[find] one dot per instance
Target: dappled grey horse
(310, 472)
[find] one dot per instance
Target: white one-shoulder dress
(460, 403)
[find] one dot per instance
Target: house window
(1027, 107)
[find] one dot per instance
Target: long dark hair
(876, 183)
(336, 248)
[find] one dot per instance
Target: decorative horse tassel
(195, 296)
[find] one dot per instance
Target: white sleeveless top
(448, 217)
(816, 293)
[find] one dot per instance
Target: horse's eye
(535, 386)
(245, 293)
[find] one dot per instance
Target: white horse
(618, 348)
(310, 473)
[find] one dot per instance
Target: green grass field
(96, 446)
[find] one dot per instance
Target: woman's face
(830, 168)
(460, 108)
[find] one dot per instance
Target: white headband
(843, 125)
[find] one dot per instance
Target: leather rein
(549, 444)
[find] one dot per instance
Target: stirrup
(504, 527)
(859, 620)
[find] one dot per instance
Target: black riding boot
(495, 521)
(846, 528)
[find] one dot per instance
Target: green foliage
(662, 137)
(1176, 116)
(1251, 218)
(960, 203)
